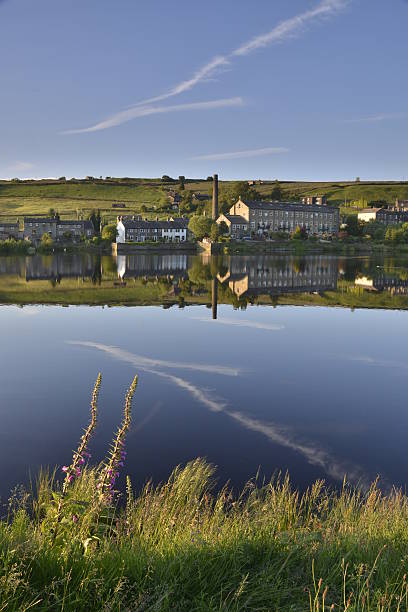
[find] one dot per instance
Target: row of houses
(388, 216)
(253, 218)
(131, 229)
(34, 229)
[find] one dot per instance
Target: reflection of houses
(12, 266)
(262, 218)
(145, 265)
(58, 266)
(261, 275)
(382, 282)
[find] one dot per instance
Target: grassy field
(180, 546)
(67, 197)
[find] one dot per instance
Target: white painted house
(140, 230)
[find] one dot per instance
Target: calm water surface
(318, 391)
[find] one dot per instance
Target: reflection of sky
(306, 398)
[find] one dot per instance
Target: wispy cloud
(203, 74)
(243, 154)
(380, 363)
(145, 111)
(313, 453)
(290, 27)
(147, 362)
(19, 166)
(376, 118)
(242, 323)
(287, 28)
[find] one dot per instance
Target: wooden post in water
(214, 297)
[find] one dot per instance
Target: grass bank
(181, 546)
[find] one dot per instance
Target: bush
(109, 233)
(11, 246)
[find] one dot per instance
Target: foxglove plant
(80, 455)
(117, 454)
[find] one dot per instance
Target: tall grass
(184, 545)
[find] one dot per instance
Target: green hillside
(19, 198)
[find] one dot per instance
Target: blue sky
(288, 89)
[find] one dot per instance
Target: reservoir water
(264, 363)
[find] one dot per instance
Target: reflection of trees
(299, 265)
(97, 271)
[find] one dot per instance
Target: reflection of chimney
(215, 198)
(214, 297)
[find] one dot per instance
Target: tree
(357, 179)
(143, 208)
(46, 241)
(182, 180)
(354, 226)
(95, 218)
(51, 212)
(299, 234)
(215, 232)
(186, 205)
(210, 178)
(223, 228)
(240, 189)
(276, 191)
(200, 226)
(109, 232)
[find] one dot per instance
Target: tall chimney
(215, 198)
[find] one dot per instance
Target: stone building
(263, 218)
(74, 230)
(315, 200)
(386, 216)
(237, 225)
(9, 230)
(36, 227)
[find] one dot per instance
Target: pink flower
(78, 472)
(65, 468)
(75, 518)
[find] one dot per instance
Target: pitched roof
(86, 224)
(236, 219)
(369, 210)
(142, 224)
(258, 205)
(40, 220)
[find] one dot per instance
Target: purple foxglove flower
(75, 518)
(65, 468)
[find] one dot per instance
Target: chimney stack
(215, 198)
